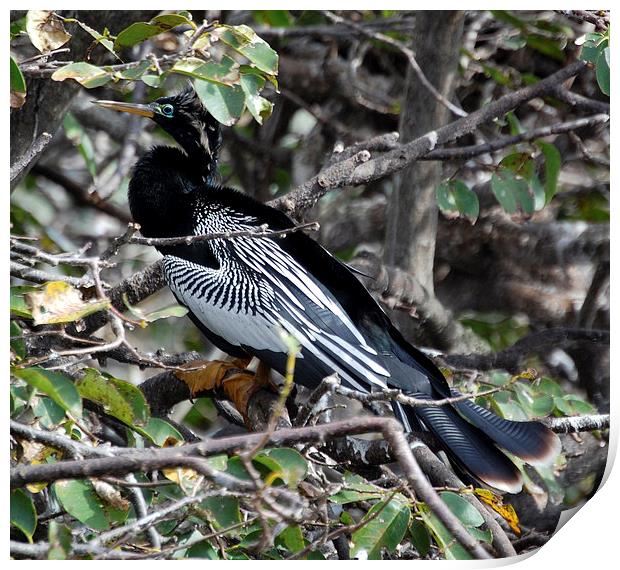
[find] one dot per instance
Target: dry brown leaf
(506, 511)
(17, 99)
(46, 30)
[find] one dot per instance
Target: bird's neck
(202, 156)
(162, 192)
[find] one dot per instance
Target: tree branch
(305, 196)
(466, 152)
(511, 358)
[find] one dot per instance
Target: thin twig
(257, 233)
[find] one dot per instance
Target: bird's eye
(167, 110)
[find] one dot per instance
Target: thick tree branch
(512, 358)
(305, 196)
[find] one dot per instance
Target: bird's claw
(228, 378)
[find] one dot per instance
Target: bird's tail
(472, 437)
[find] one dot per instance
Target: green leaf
(543, 406)
(154, 81)
(535, 404)
(225, 72)
(291, 465)
(224, 102)
(509, 18)
(515, 125)
(386, 530)
(508, 409)
(224, 510)
(275, 18)
(258, 106)
(455, 197)
(18, 83)
(59, 537)
(570, 404)
(549, 386)
(158, 431)
(18, 27)
(291, 538)
(236, 468)
(50, 414)
(56, 385)
(420, 538)
(245, 41)
(18, 346)
(499, 76)
(517, 162)
(23, 513)
(356, 489)
(484, 535)
(553, 164)
(85, 74)
(203, 550)
(19, 307)
(547, 46)
(512, 193)
(463, 510)
(602, 70)
(219, 462)
(118, 398)
(452, 549)
(236, 554)
(136, 72)
(80, 500)
(594, 44)
(141, 31)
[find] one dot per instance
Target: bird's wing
(310, 313)
(265, 292)
(236, 312)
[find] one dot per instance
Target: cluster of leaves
(596, 50)
(515, 180)
(515, 184)
(227, 85)
(384, 520)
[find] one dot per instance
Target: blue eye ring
(167, 110)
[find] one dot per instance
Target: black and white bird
(243, 292)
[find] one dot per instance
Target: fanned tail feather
(468, 448)
(531, 441)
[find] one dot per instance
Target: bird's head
(184, 117)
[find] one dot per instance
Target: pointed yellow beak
(142, 110)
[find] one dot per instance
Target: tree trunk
(412, 211)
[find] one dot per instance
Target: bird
(243, 293)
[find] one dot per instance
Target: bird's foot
(229, 378)
(208, 375)
(239, 386)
